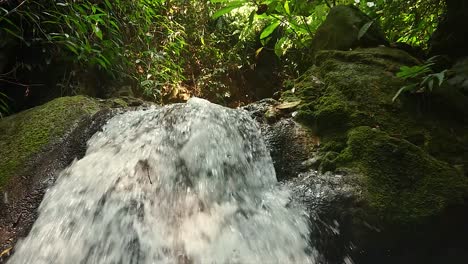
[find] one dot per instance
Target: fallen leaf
(6, 252)
(288, 105)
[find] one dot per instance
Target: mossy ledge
(27, 133)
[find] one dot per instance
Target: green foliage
(81, 28)
(412, 22)
(297, 20)
(112, 36)
(156, 45)
(159, 46)
(421, 77)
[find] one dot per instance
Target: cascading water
(186, 183)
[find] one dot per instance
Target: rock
(35, 145)
(332, 202)
(289, 142)
(401, 181)
(460, 75)
(341, 30)
(451, 38)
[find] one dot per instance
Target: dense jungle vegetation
(366, 102)
(169, 50)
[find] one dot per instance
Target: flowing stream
(185, 183)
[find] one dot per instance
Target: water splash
(186, 183)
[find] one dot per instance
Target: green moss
(401, 181)
(118, 102)
(332, 113)
(381, 57)
(26, 133)
(350, 88)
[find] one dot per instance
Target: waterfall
(184, 183)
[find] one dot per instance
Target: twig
(147, 173)
(14, 9)
(20, 84)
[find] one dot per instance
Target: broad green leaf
(286, 7)
(414, 71)
(269, 29)
(225, 10)
(98, 32)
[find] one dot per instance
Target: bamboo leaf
(269, 29)
(98, 32)
(404, 89)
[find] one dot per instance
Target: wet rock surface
(289, 142)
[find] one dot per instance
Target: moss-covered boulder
(347, 27)
(402, 182)
(347, 89)
(399, 167)
(410, 148)
(35, 145)
(25, 134)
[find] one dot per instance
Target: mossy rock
(340, 30)
(353, 88)
(27, 133)
(347, 90)
(401, 181)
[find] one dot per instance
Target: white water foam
(186, 183)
